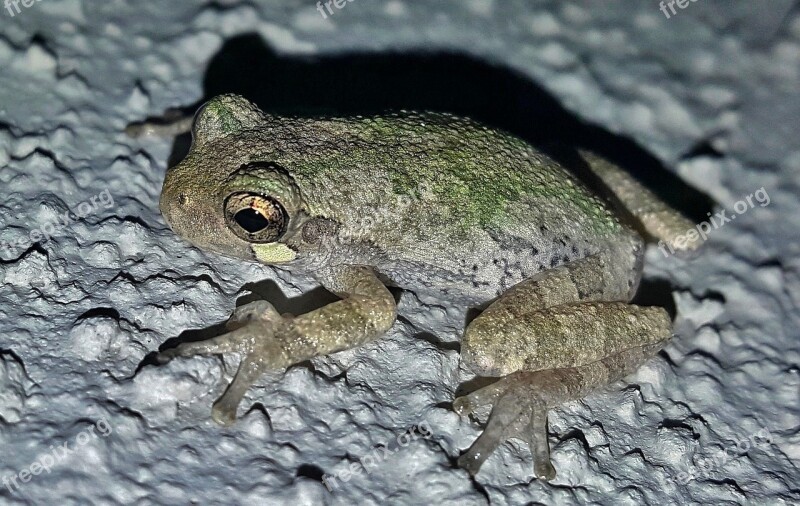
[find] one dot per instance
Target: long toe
(507, 420)
(519, 411)
(223, 413)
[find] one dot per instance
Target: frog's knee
(481, 347)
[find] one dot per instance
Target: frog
(439, 205)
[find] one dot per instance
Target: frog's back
(453, 205)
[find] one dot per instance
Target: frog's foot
(519, 411)
(521, 401)
(252, 331)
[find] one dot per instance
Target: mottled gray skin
(479, 210)
(430, 203)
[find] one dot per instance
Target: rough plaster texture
(81, 310)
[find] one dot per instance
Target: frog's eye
(255, 217)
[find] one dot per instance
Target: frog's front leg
(554, 339)
(173, 123)
(270, 341)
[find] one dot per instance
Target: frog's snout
(192, 211)
(177, 204)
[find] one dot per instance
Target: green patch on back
(469, 184)
(474, 175)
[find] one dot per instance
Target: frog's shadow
(369, 83)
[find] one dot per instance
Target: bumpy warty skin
(565, 336)
(712, 93)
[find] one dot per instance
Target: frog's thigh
(565, 317)
(518, 332)
(586, 279)
(565, 336)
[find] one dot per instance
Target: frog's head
(220, 199)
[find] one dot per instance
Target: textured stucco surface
(80, 311)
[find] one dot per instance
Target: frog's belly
(479, 271)
(531, 235)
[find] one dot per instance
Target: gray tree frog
(498, 223)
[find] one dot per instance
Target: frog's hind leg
(555, 337)
(652, 215)
(496, 342)
(521, 401)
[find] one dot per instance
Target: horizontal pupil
(251, 220)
